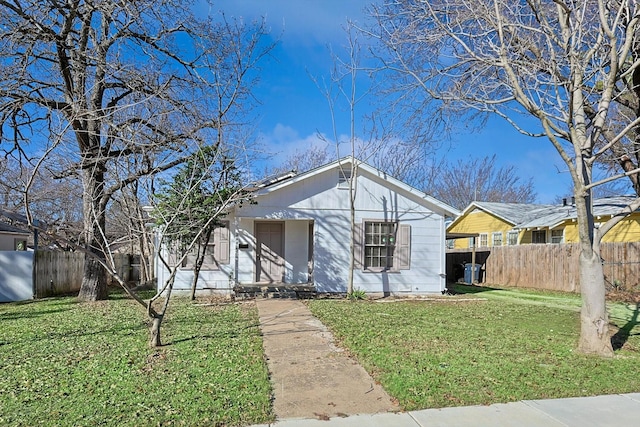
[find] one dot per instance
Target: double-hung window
(496, 239)
(512, 238)
(557, 236)
(379, 245)
(217, 250)
(383, 246)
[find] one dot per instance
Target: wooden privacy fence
(59, 273)
(552, 267)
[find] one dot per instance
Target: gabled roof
(272, 180)
(512, 213)
(526, 215)
(557, 214)
(8, 228)
(348, 161)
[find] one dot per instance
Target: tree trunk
(202, 251)
(154, 332)
(94, 281)
(94, 284)
(594, 321)
(352, 225)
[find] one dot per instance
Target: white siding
(16, 275)
(296, 246)
(208, 280)
(318, 199)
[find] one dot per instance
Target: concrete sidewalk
(316, 384)
(621, 410)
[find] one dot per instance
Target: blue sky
(293, 109)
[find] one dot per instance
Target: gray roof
(523, 215)
(272, 179)
(554, 216)
(8, 228)
(514, 213)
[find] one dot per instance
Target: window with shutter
(217, 251)
(379, 245)
(357, 246)
(383, 246)
(218, 248)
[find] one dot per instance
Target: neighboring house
(13, 238)
(298, 232)
(506, 224)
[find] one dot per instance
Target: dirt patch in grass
(629, 297)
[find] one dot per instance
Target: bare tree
(372, 137)
(223, 198)
(115, 85)
(206, 182)
(460, 183)
(303, 160)
(54, 202)
(565, 64)
(187, 213)
(342, 88)
(129, 226)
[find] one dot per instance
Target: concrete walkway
(312, 378)
(317, 385)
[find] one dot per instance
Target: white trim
(430, 202)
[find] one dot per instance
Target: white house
(298, 232)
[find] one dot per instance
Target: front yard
(69, 364)
(504, 346)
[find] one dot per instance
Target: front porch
(275, 290)
(273, 252)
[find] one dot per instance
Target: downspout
(157, 239)
(237, 248)
(473, 262)
(34, 267)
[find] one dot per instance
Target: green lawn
(70, 364)
(503, 346)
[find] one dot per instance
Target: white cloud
(303, 21)
(284, 141)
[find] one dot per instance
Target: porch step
(275, 291)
